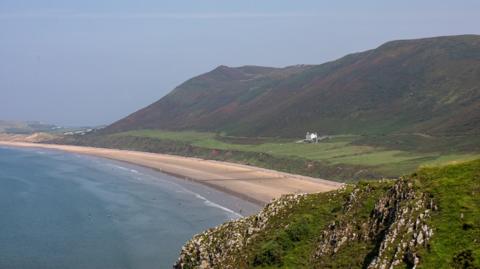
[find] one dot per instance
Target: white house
(311, 137)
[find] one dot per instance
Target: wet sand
(256, 185)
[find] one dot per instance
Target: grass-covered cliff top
(430, 219)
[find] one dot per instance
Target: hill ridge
(428, 85)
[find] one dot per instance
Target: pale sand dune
(254, 184)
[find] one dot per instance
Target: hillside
(20, 127)
(429, 86)
(430, 219)
(385, 112)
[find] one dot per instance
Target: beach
(253, 184)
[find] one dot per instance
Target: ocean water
(60, 210)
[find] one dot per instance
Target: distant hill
(429, 86)
(25, 127)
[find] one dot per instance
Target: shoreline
(252, 184)
(225, 201)
(51, 195)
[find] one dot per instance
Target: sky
(92, 62)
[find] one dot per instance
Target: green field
(335, 150)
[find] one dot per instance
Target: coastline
(233, 205)
(252, 184)
(71, 202)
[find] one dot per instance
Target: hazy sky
(88, 62)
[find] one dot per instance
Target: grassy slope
(408, 103)
(292, 237)
(294, 232)
(456, 189)
(337, 150)
(426, 85)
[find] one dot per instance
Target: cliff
(430, 219)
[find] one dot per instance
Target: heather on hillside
(428, 86)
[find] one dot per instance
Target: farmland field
(335, 150)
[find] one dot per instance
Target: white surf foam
(232, 214)
(212, 204)
(125, 169)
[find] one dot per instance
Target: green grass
(307, 218)
(456, 189)
(451, 158)
(185, 136)
(456, 223)
(448, 196)
(338, 150)
(292, 238)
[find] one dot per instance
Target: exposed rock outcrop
(220, 247)
(395, 227)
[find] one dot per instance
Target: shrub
(464, 260)
(270, 254)
(298, 230)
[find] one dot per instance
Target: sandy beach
(250, 183)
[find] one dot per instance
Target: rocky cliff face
(395, 227)
(430, 219)
(222, 247)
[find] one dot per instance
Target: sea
(63, 210)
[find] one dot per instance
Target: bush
(464, 260)
(270, 254)
(298, 230)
